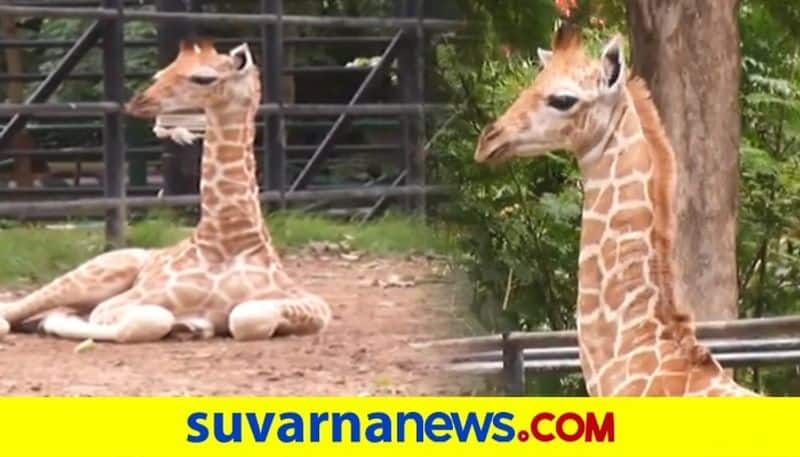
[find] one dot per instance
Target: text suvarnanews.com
(400, 427)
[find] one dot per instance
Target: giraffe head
(568, 106)
(198, 78)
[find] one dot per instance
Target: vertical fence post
(411, 68)
(513, 368)
(113, 134)
(275, 168)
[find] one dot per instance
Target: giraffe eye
(202, 80)
(562, 102)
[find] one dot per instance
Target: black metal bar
(230, 18)
(29, 77)
(113, 135)
(411, 73)
(294, 41)
(59, 109)
(298, 151)
(370, 213)
(96, 205)
(375, 109)
(301, 109)
(324, 147)
(274, 148)
(50, 84)
(513, 370)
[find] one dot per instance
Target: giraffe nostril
(491, 132)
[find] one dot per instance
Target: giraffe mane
(679, 320)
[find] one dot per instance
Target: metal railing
(738, 343)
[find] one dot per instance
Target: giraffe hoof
(4, 327)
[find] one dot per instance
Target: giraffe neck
(231, 221)
(626, 296)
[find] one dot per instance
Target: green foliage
(769, 198)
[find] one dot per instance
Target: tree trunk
(688, 52)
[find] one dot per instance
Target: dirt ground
(380, 305)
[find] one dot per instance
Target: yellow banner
(175, 427)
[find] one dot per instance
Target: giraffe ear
(613, 65)
(544, 56)
(242, 58)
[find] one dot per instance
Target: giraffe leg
(117, 320)
(262, 319)
(82, 288)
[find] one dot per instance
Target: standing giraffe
(226, 278)
(634, 338)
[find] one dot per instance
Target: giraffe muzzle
(491, 146)
(142, 106)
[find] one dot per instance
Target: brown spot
(601, 169)
(668, 385)
(643, 334)
(603, 203)
(635, 158)
(591, 232)
(678, 364)
(588, 303)
(235, 174)
(232, 118)
(589, 273)
(635, 219)
(632, 191)
(233, 135)
(632, 249)
(633, 388)
(589, 197)
(235, 243)
(598, 339)
(230, 153)
(638, 306)
(609, 253)
(210, 197)
(612, 376)
(208, 173)
(643, 363)
(620, 283)
(230, 188)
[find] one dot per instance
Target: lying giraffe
(226, 278)
(634, 339)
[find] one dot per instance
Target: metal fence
(744, 342)
(406, 42)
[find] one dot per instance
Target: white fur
(255, 320)
(544, 56)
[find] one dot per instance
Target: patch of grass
(156, 231)
(385, 236)
(36, 254)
